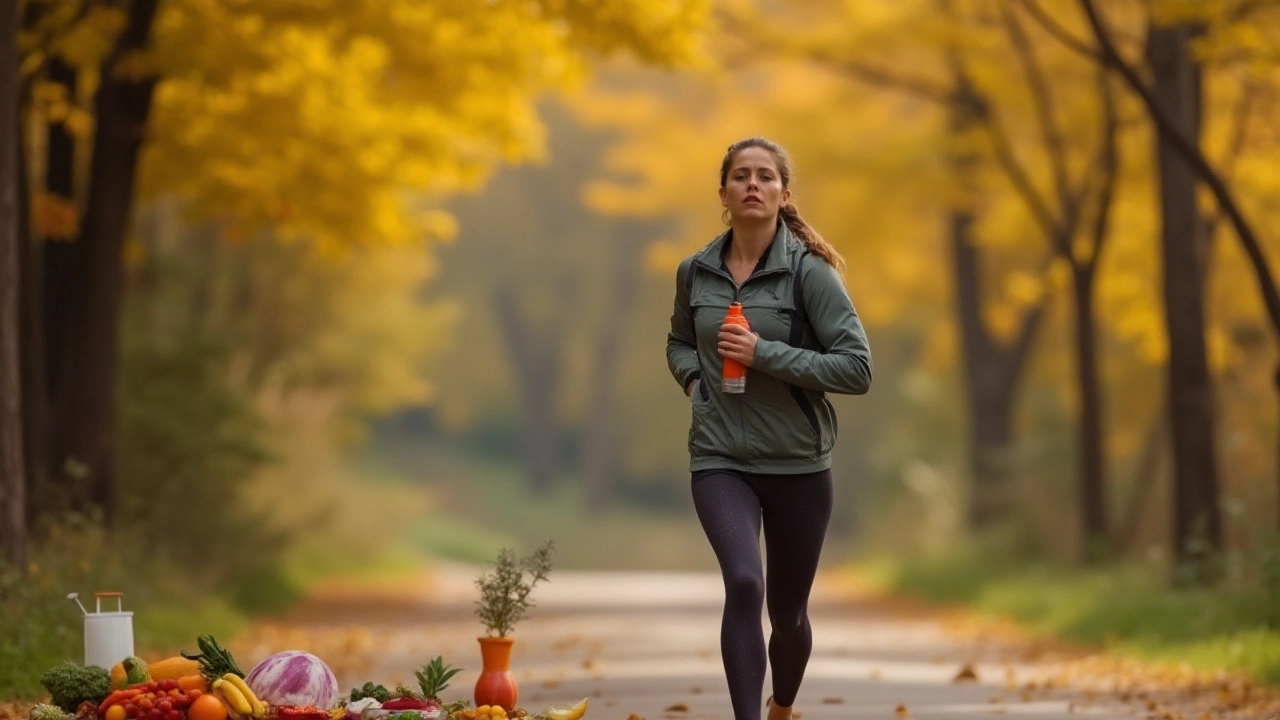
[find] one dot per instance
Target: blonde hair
(789, 213)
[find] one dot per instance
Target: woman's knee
(744, 587)
(788, 617)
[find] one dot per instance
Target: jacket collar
(777, 257)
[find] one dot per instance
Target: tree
(13, 483)
(1173, 101)
(313, 119)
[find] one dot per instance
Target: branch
(879, 77)
(1018, 176)
(1235, 147)
(1245, 9)
(1195, 158)
(1110, 160)
(1055, 29)
(1054, 145)
(870, 74)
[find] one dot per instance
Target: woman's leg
(796, 511)
(730, 514)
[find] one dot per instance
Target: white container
(108, 636)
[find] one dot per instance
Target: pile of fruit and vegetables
(289, 685)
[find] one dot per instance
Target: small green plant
(433, 678)
(504, 592)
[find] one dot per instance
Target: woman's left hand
(738, 343)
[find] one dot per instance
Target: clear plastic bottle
(735, 373)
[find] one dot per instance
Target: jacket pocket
(708, 433)
(776, 425)
(810, 412)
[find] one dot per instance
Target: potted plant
(504, 599)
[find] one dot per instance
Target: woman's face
(753, 188)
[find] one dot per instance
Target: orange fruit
(207, 707)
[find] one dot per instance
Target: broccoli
(377, 692)
(70, 684)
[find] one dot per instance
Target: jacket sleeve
(845, 366)
(682, 345)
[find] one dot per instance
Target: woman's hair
(789, 213)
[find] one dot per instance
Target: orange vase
(496, 685)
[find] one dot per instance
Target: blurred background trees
(391, 280)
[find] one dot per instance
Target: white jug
(108, 636)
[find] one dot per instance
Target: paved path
(646, 644)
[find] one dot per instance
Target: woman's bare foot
(777, 712)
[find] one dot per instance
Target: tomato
(173, 715)
(153, 686)
(168, 684)
(131, 711)
(164, 705)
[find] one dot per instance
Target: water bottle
(735, 373)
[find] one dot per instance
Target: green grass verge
(40, 627)
(483, 503)
(1123, 609)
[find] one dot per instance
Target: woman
(764, 456)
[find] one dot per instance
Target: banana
(233, 696)
(258, 708)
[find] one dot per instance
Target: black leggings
(795, 510)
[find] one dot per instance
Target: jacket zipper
(739, 432)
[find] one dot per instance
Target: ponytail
(809, 237)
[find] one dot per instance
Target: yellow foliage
(350, 123)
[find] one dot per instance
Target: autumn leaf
(966, 674)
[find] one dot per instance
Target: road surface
(646, 645)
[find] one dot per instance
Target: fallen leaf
(966, 674)
(832, 701)
(901, 711)
(678, 707)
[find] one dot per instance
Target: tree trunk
(1197, 518)
(1092, 484)
(13, 484)
(85, 416)
(1146, 476)
(991, 370)
(59, 267)
(598, 454)
(536, 366)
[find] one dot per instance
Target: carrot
(187, 683)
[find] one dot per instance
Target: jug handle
(119, 596)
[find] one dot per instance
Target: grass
(1123, 609)
(40, 627)
(483, 503)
